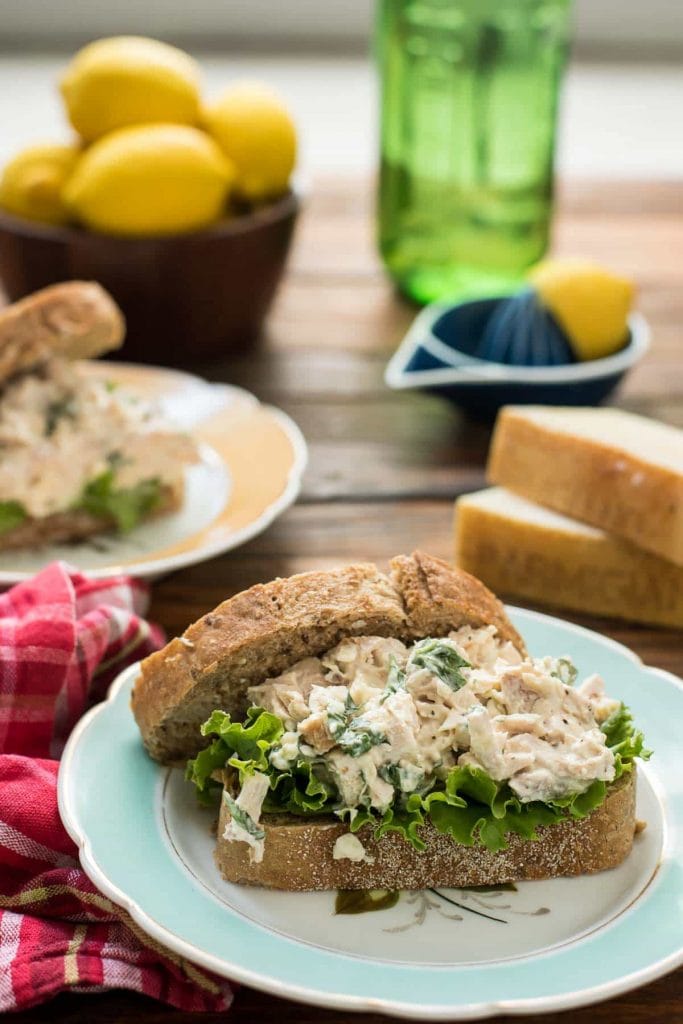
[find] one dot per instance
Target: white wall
(615, 122)
(635, 25)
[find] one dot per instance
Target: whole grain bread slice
(75, 319)
(259, 633)
(438, 598)
(298, 853)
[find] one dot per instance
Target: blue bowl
(436, 356)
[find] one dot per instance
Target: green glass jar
(469, 93)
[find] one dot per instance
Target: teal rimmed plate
(438, 955)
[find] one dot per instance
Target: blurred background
(621, 112)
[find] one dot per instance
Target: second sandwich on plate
(79, 456)
(368, 731)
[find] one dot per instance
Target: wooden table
(386, 467)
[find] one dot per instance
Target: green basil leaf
(125, 506)
(396, 680)
(11, 514)
(243, 818)
(441, 659)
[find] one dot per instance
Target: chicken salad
(380, 731)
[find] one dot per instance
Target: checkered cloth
(63, 638)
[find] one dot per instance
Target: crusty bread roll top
(74, 320)
(264, 630)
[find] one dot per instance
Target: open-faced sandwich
(365, 731)
(78, 455)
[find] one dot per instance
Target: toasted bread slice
(74, 525)
(76, 319)
(299, 853)
(262, 631)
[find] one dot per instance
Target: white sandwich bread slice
(362, 730)
(521, 549)
(612, 469)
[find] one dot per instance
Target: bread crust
(253, 635)
(592, 481)
(298, 854)
(262, 631)
(439, 598)
(75, 319)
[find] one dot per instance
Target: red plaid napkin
(63, 638)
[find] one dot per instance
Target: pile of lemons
(152, 159)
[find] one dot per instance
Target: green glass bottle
(469, 92)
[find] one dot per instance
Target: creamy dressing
(243, 826)
(518, 719)
(60, 430)
(382, 719)
(349, 847)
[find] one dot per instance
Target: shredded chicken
(385, 718)
(592, 689)
(60, 430)
(243, 825)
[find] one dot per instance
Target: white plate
(446, 955)
(252, 458)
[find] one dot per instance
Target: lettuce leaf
(405, 820)
(126, 506)
(11, 514)
(468, 805)
(624, 740)
(476, 810)
(249, 742)
(201, 768)
(244, 745)
(303, 789)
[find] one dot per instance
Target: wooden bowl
(184, 297)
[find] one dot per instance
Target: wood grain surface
(386, 467)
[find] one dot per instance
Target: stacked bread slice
(587, 514)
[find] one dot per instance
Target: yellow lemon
(254, 129)
(150, 180)
(126, 80)
(590, 304)
(32, 182)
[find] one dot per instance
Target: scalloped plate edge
(334, 1000)
(151, 568)
(400, 379)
